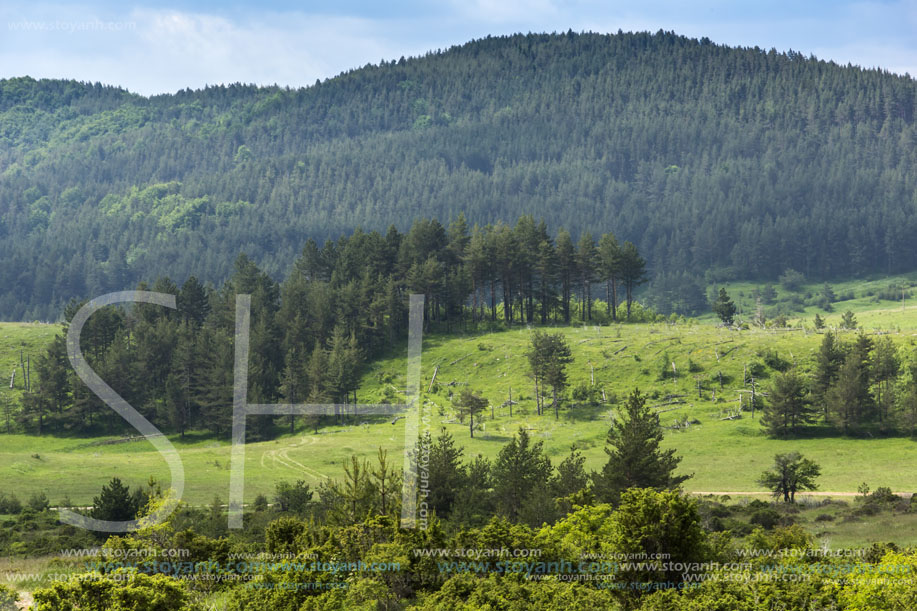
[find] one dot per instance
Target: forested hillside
(739, 162)
(340, 305)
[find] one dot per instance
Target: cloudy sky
(158, 47)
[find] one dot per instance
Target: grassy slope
(30, 338)
(723, 455)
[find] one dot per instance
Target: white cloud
(171, 50)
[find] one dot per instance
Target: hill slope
(707, 157)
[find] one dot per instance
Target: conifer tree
(520, 472)
(610, 267)
(447, 474)
(566, 267)
(635, 459)
(724, 307)
(788, 408)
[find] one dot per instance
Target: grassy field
(863, 297)
(15, 337)
(723, 455)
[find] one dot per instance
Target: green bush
(38, 501)
(118, 591)
(773, 360)
(765, 518)
(9, 505)
(8, 599)
(586, 393)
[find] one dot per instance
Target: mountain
(735, 162)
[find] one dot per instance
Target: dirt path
(25, 600)
(281, 457)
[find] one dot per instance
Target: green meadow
(27, 339)
(721, 446)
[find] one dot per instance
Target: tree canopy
(738, 161)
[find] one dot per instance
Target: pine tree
(587, 261)
(557, 357)
(848, 398)
(828, 362)
(546, 269)
(446, 473)
(566, 266)
(885, 367)
(609, 266)
(293, 383)
(193, 301)
(724, 307)
(114, 503)
(520, 472)
(633, 271)
(635, 459)
(316, 375)
(571, 478)
(788, 408)
(548, 356)
(848, 320)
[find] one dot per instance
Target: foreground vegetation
(348, 553)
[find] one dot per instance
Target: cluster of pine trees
(342, 304)
(741, 161)
(856, 387)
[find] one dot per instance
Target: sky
(162, 47)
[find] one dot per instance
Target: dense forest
(735, 162)
(342, 304)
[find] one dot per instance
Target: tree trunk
(608, 298)
(493, 301)
(474, 299)
(537, 404)
(507, 302)
(614, 298)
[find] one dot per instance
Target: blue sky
(159, 47)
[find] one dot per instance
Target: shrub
(10, 504)
(120, 591)
(260, 503)
(282, 534)
(757, 369)
(8, 599)
(773, 360)
(738, 528)
(792, 280)
(38, 501)
(765, 518)
(295, 498)
(586, 393)
(848, 320)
